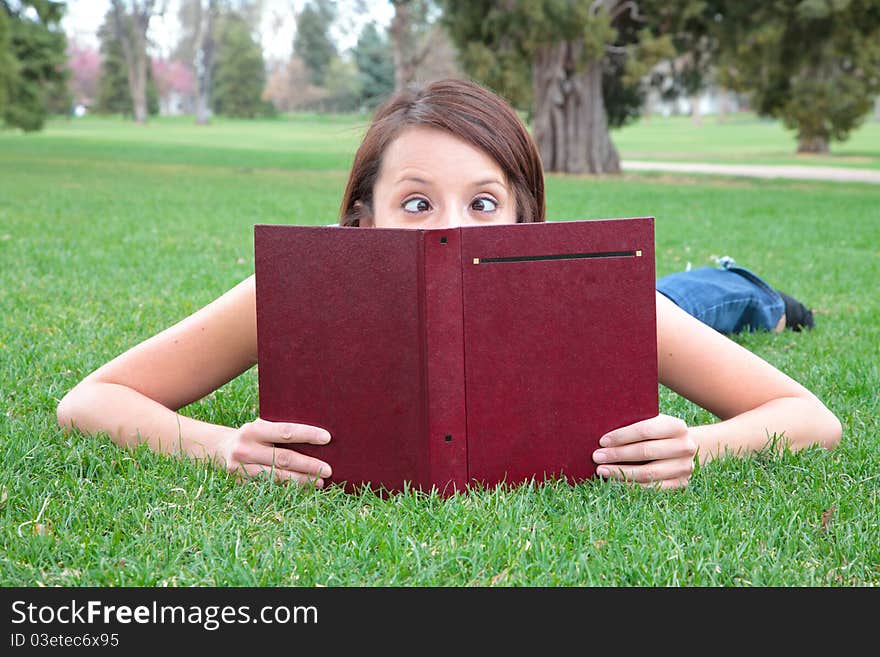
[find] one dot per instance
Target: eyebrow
(479, 183)
(414, 179)
(489, 181)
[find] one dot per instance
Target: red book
(443, 357)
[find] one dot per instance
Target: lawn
(740, 138)
(110, 232)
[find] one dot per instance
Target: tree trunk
(696, 117)
(815, 144)
(648, 107)
(399, 31)
(570, 124)
(132, 34)
(723, 104)
(137, 79)
(203, 62)
(406, 53)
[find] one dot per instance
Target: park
(111, 230)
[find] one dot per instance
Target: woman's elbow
(833, 429)
(64, 413)
(70, 408)
(826, 428)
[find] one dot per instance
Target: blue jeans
(728, 298)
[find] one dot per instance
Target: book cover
(438, 358)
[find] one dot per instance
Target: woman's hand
(657, 451)
(260, 446)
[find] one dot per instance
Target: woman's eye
(484, 204)
(416, 205)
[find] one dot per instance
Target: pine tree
(33, 58)
(8, 63)
(814, 64)
(372, 56)
(312, 42)
(240, 72)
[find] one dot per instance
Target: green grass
(740, 139)
(110, 232)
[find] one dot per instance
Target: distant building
(175, 103)
(713, 100)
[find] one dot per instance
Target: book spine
(446, 414)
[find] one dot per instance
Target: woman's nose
(450, 217)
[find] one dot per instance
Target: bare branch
(431, 42)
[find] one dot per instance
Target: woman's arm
(753, 400)
(134, 397)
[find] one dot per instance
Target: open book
(437, 358)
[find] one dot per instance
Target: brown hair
(466, 110)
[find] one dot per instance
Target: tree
(442, 59)
(555, 56)
(240, 72)
(189, 18)
(8, 62)
(690, 69)
(343, 86)
(414, 33)
(131, 20)
(114, 95)
(197, 48)
(814, 64)
(289, 87)
(283, 80)
(312, 43)
(114, 89)
(372, 56)
(33, 62)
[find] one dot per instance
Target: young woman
(449, 154)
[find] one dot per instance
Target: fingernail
(603, 441)
(324, 436)
(603, 471)
(600, 456)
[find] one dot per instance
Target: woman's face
(432, 179)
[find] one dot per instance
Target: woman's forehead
(426, 150)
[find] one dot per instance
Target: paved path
(839, 174)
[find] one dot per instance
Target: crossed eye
(417, 205)
(481, 204)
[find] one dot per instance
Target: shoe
(797, 316)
